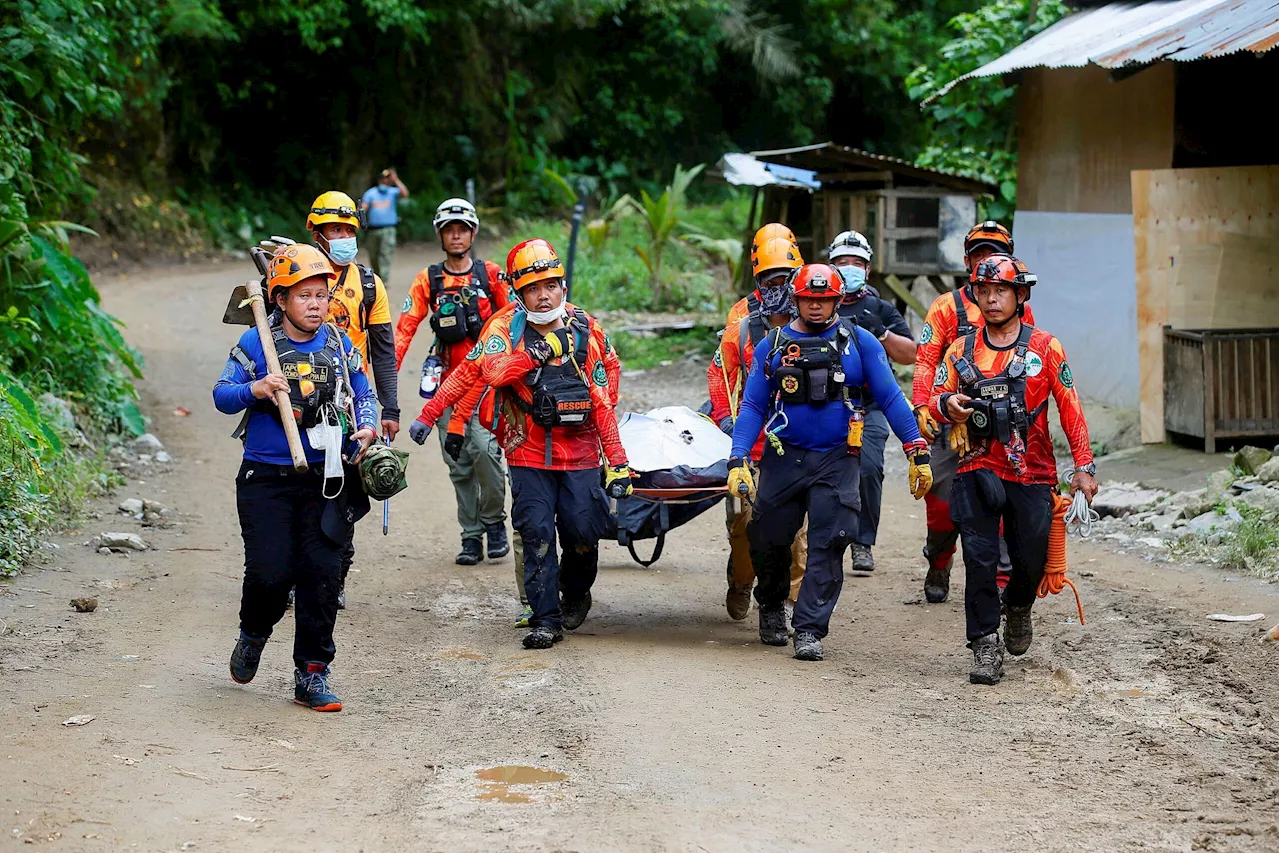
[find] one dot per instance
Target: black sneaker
(808, 646)
(311, 688)
(988, 660)
(863, 562)
(574, 611)
(470, 554)
(937, 584)
(1017, 630)
(773, 625)
(497, 546)
(245, 658)
(542, 638)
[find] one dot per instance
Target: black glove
(551, 346)
(870, 320)
(419, 431)
(726, 425)
(453, 445)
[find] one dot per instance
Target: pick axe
(247, 307)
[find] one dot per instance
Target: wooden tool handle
(258, 305)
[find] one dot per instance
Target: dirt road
(674, 729)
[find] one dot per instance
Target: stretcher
(680, 460)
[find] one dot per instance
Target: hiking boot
(773, 625)
(311, 688)
(808, 646)
(937, 584)
(525, 616)
(497, 545)
(862, 559)
(342, 596)
(574, 611)
(738, 601)
(245, 658)
(542, 638)
(471, 552)
(1017, 630)
(988, 660)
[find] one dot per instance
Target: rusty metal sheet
(1136, 33)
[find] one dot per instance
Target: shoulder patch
(926, 334)
(1064, 376)
(718, 358)
(940, 375)
(598, 375)
(1034, 364)
(495, 344)
(608, 345)
(476, 352)
(408, 304)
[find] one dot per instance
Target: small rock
(131, 506)
(1212, 522)
(162, 457)
(104, 551)
(147, 443)
(1267, 500)
(59, 412)
(1269, 471)
(1214, 539)
(1121, 499)
(79, 720)
(144, 459)
(130, 541)
(155, 507)
(84, 605)
(1216, 487)
(1249, 459)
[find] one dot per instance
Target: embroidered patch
(1034, 364)
(790, 384)
(717, 359)
(1064, 376)
(475, 353)
(940, 375)
(495, 344)
(351, 294)
(926, 334)
(408, 305)
(598, 375)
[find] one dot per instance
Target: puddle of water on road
(498, 781)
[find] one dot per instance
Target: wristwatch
(883, 335)
(1091, 469)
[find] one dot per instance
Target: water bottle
(430, 382)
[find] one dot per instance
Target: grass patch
(1252, 545)
(645, 351)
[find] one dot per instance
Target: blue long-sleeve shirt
(825, 426)
(264, 436)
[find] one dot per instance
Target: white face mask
(543, 318)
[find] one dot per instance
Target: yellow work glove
(928, 426)
(960, 438)
(617, 481)
(559, 342)
(919, 473)
(741, 483)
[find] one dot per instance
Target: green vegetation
(1253, 545)
(641, 352)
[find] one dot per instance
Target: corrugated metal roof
(1136, 33)
(828, 157)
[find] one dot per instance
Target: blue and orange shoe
(245, 658)
(311, 688)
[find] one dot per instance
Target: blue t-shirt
(382, 205)
(264, 439)
(826, 426)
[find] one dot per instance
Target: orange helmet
(1002, 269)
(775, 253)
(531, 261)
(333, 206)
(770, 230)
(294, 264)
(991, 233)
(817, 281)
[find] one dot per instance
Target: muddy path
(1148, 729)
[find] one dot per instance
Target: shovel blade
(238, 312)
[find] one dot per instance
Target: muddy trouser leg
(979, 525)
(776, 519)
(533, 513)
(875, 433)
(737, 514)
(348, 553)
(831, 503)
(466, 489)
(582, 519)
(1027, 515)
(940, 541)
(266, 506)
(799, 558)
(517, 552)
(490, 472)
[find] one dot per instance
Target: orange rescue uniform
(418, 307)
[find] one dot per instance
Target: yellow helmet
(294, 264)
(333, 206)
(776, 253)
(532, 261)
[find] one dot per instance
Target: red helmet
(991, 233)
(1002, 269)
(816, 281)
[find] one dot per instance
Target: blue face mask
(342, 250)
(855, 278)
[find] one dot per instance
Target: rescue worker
(774, 256)
(360, 309)
(860, 303)
(547, 364)
(458, 297)
(379, 206)
(805, 391)
(293, 535)
(951, 316)
(993, 385)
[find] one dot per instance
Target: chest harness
(999, 402)
(963, 326)
(810, 372)
(456, 313)
(560, 395)
(317, 380)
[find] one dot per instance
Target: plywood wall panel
(1081, 134)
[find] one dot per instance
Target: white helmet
(456, 210)
(849, 243)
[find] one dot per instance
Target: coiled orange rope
(1055, 568)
